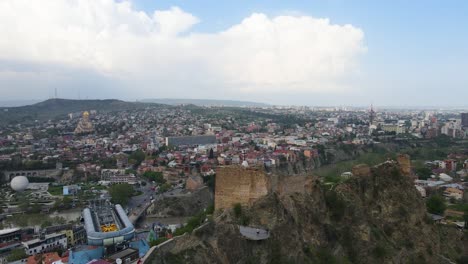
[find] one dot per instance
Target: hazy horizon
(19, 103)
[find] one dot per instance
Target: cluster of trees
(121, 193)
(109, 163)
(17, 164)
(242, 218)
(336, 204)
(40, 179)
(436, 204)
(164, 187)
(210, 181)
(65, 203)
(443, 141)
(17, 254)
(423, 172)
(137, 157)
(194, 221)
(155, 176)
(158, 241)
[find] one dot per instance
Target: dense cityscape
(100, 186)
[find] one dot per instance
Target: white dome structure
(19, 183)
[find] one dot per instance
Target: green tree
(237, 209)
(24, 204)
(138, 156)
(209, 180)
(336, 205)
(109, 163)
(16, 254)
(163, 148)
(443, 141)
(154, 176)
(211, 154)
(130, 171)
(436, 205)
(423, 173)
(158, 241)
(59, 220)
(165, 187)
(463, 260)
(465, 217)
(67, 202)
(35, 208)
(121, 193)
(46, 223)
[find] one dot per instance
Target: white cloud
(173, 21)
(277, 54)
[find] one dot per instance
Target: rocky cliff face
(376, 216)
(183, 205)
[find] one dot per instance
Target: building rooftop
(30, 242)
(123, 253)
(47, 258)
(8, 231)
(86, 254)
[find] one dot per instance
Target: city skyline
(295, 53)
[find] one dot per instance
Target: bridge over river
(138, 212)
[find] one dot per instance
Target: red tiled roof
(46, 258)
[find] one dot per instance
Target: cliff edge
(376, 216)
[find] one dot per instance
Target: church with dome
(84, 125)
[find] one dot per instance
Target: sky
(328, 52)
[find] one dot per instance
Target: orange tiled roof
(46, 258)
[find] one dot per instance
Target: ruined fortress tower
(405, 164)
(235, 184)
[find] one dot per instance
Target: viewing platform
(252, 233)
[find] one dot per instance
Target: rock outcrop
(182, 205)
(376, 216)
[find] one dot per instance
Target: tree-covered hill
(59, 108)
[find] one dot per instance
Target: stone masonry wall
(235, 184)
(405, 164)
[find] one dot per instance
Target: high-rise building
(371, 115)
(464, 119)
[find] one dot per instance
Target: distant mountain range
(59, 108)
(205, 102)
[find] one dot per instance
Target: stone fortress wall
(235, 184)
(405, 164)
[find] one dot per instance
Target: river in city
(69, 215)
